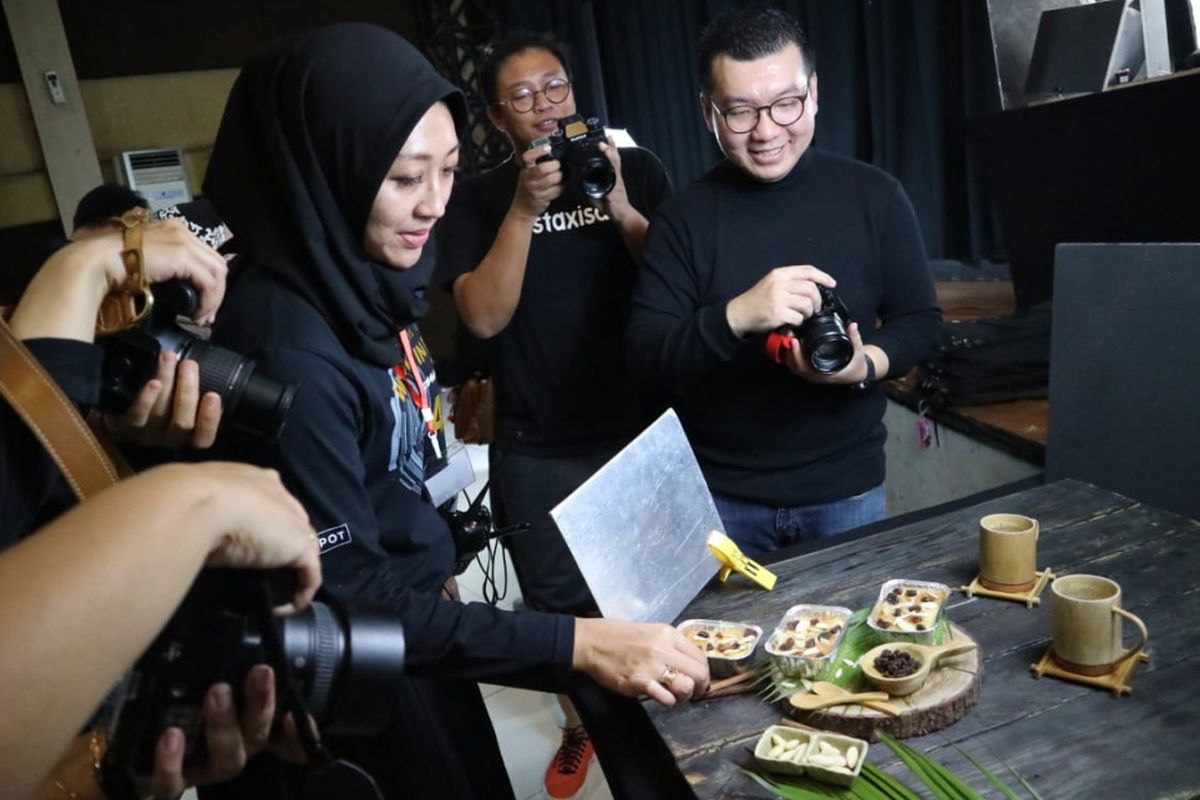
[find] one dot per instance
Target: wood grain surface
(1068, 740)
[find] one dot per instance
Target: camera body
(576, 144)
(251, 402)
(471, 529)
(823, 337)
(342, 661)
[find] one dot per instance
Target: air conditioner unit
(158, 175)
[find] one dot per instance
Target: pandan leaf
(887, 783)
(941, 781)
(791, 791)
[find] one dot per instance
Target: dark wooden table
(1067, 740)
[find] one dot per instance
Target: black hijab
(308, 135)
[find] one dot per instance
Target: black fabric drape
(898, 79)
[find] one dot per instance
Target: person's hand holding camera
(169, 410)
(62, 299)
(784, 296)
(264, 526)
(633, 659)
(231, 739)
(797, 361)
(64, 296)
(539, 184)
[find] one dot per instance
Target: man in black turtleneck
(789, 454)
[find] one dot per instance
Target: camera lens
(825, 342)
(595, 177)
(345, 659)
(254, 403)
(831, 355)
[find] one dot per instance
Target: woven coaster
(1030, 598)
(1116, 681)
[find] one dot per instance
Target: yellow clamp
(732, 559)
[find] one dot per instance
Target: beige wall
(181, 109)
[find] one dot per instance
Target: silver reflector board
(639, 527)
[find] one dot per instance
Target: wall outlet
(54, 84)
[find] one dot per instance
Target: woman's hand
(64, 296)
(169, 410)
(633, 659)
(169, 250)
(262, 525)
(231, 739)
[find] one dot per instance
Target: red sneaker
(567, 773)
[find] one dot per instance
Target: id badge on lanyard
(419, 392)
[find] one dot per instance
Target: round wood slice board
(951, 690)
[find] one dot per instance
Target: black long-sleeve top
(351, 451)
(760, 433)
(32, 489)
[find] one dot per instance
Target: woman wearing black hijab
(334, 159)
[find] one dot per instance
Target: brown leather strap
(130, 302)
(53, 418)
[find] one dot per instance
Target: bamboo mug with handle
(1086, 625)
(1008, 552)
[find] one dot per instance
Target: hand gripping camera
(576, 144)
(251, 402)
(823, 338)
(342, 660)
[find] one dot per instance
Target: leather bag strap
(53, 418)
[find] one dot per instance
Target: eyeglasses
(783, 112)
(521, 101)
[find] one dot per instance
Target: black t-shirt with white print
(562, 386)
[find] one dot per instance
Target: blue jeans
(759, 529)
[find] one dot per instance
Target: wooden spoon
(827, 689)
(927, 655)
(840, 697)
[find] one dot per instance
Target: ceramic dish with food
(834, 758)
(782, 749)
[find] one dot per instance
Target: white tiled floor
(527, 723)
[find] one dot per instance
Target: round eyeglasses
(521, 101)
(744, 118)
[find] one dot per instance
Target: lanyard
(418, 391)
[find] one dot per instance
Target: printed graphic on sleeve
(333, 538)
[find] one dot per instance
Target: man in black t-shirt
(545, 275)
(790, 454)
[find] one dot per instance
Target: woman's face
(413, 195)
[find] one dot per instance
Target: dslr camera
(342, 660)
(251, 402)
(823, 338)
(576, 144)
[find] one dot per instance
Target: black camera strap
(328, 778)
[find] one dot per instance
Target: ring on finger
(669, 675)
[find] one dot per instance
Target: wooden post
(66, 137)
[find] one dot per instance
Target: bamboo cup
(1086, 625)
(1008, 552)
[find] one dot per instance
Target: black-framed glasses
(521, 101)
(744, 118)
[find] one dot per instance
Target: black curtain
(897, 81)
